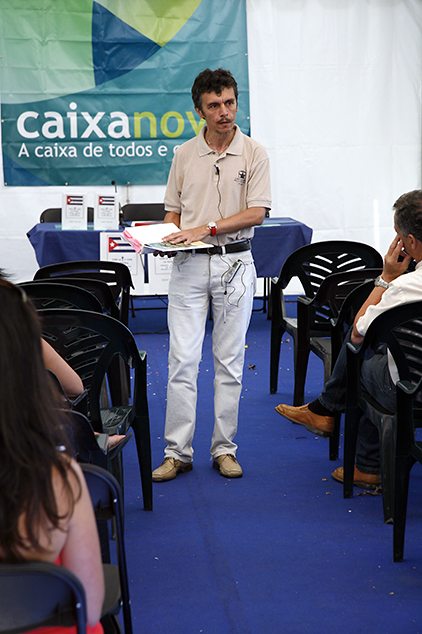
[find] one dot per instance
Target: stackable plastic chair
(60, 295)
(400, 330)
(98, 288)
(89, 342)
(323, 307)
(110, 282)
(311, 264)
(339, 329)
(54, 214)
(143, 211)
(116, 275)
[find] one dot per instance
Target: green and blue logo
(99, 91)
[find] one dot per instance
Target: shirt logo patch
(241, 177)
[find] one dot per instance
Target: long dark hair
(32, 438)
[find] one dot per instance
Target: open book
(149, 238)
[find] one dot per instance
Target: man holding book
(218, 189)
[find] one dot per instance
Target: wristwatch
(380, 282)
(212, 226)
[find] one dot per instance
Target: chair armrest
(353, 347)
(408, 387)
(302, 299)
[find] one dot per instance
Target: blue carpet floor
(277, 551)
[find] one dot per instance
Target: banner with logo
(94, 92)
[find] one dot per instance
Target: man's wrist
(380, 281)
(212, 226)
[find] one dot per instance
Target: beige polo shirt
(204, 187)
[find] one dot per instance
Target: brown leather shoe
(367, 481)
(228, 466)
(169, 469)
(316, 424)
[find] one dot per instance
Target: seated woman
(45, 508)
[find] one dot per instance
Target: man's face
(219, 111)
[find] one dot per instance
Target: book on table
(147, 238)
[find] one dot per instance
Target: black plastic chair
(54, 214)
(84, 294)
(408, 452)
(35, 594)
(400, 330)
(106, 497)
(98, 288)
(116, 275)
(312, 264)
(143, 211)
(324, 306)
(89, 447)
(94, 276)
(58, 295)
(339, 329)
(89, 342)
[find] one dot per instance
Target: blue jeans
(376, 380)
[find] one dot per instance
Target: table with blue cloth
(273, 242)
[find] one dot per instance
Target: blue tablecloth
(273, 242)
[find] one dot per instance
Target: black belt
(231, 247)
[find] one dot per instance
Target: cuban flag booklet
(147, 238)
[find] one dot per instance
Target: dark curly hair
(408, 213)
(212, 81)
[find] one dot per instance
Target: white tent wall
(336, 99)
(335, 96)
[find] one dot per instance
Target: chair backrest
(116, 275)
(334, 290)
(143, 211)
(98, 288)
(54, 214)
(35, 594)
(312, 263)
(58, 295)
(349, 308)
(89, 342)
(106, 497)
(400, 330)
(86, 446)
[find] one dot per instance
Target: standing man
(218, 189)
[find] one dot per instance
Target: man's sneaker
(367, 481)
(169, 469)
(316, 424)
(228, 466)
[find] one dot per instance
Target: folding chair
(106, 499)
(35, 594)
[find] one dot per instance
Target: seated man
(379, 374)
